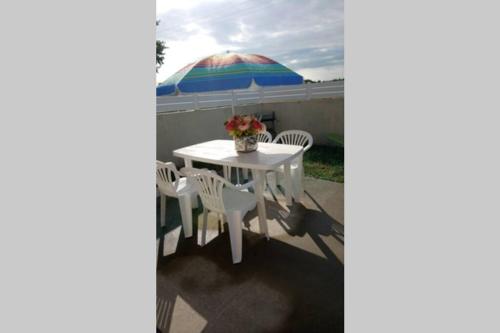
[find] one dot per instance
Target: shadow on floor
(277, 288)
(282, 285)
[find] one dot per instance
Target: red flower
(230, 125)
(240, 125)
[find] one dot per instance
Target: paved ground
(292, 283)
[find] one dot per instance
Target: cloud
(307, 37)
(315, 74)
(243, 35)
(165, 6)
(181, 53)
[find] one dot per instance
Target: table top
(268, 156)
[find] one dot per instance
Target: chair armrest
(173, 168)
(244, 186)
(183, 171)
(224, 181)
(237, 187)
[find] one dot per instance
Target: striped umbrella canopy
(228, 71)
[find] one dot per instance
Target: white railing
(241, 97)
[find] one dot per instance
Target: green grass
(336, 139)
(325, 162)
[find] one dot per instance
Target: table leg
(288, 184)
(259, 177)
(188, 163)
(300, 181)
(226, 170)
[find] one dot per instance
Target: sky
(307, 36)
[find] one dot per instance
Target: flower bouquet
(244, 130)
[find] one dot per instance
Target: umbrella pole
(232, 102)
(232, 110)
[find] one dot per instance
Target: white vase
(245, 144)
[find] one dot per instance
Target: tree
(160, 56)
(160, 51)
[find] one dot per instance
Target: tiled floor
(291, 283)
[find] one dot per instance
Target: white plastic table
(268, 156)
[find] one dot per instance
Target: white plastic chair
(291, 137)
(262, 137)
(171, 183)
(295, 137)
(222, 197)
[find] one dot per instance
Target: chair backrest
(209, 186)
(295, 137)
(264, 137)
(167, 178)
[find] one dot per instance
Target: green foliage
(160, 51)
(325, 162)
(160, 56)
(336, 139)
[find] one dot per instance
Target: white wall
(319, 117)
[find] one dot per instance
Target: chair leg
(204, 227)
(234, 220)
(221, 221)
(163, 204)
(186, 215)
(194, 200)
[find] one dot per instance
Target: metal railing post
(196, 102)
(233, 102)
(308, 91)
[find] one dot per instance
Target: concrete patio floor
(292, 283)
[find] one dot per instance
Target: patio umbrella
(228, 71)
